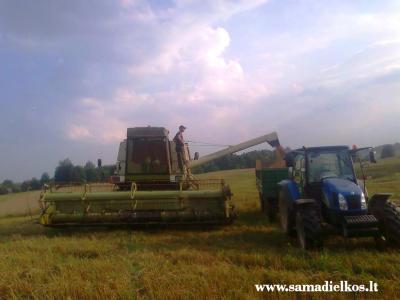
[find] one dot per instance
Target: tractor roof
(320, 148)
(326, 148)
(147, 132)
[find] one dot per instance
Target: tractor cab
(327, 175)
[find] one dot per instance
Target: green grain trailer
(267, 180)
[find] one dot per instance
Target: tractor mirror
(372, 158)
(196, 156)
(353, 155)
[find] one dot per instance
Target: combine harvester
(148, 188)
(316, 189)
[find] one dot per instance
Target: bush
(388, 151)
(44, 179)
(3, 189)
(35, 184)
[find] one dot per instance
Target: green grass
(16, 196)
(385, 177)
(171, 263)
(19, 203)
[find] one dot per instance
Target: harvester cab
(148, 158)
(148, 187)
(322, 188)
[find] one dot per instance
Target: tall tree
(78, 174)
(35, 184)
(91, 172)
(25, 186)
(64, 171)
(44, 179)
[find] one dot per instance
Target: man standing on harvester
(180, 146)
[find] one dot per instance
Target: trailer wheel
(260, 195)
(271, 209)
(308, 227)
(391, 214)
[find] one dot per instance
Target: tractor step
(361, 232)
(358, 226)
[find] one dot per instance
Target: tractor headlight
(363, 202)
(342, 202)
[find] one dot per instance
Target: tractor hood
(341, 185)
(333, 187)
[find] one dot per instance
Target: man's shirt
(178, 139)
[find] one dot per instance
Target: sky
(75, 74)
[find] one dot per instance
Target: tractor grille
(362, 219)
(353, 201)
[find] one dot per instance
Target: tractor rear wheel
(391, 214)
(308, 227)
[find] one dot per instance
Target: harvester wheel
(308, 227)
(391, 214)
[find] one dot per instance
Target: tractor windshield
(324, 163)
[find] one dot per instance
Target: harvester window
(147, 156)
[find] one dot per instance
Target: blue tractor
(322, 191)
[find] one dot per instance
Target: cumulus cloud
(77, 132)
(188, 77)
(191, 79)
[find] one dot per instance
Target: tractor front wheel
(308, 227)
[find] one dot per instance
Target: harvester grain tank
(148, 187)
(318, 190)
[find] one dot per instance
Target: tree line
(65, 172)
(388, 150)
